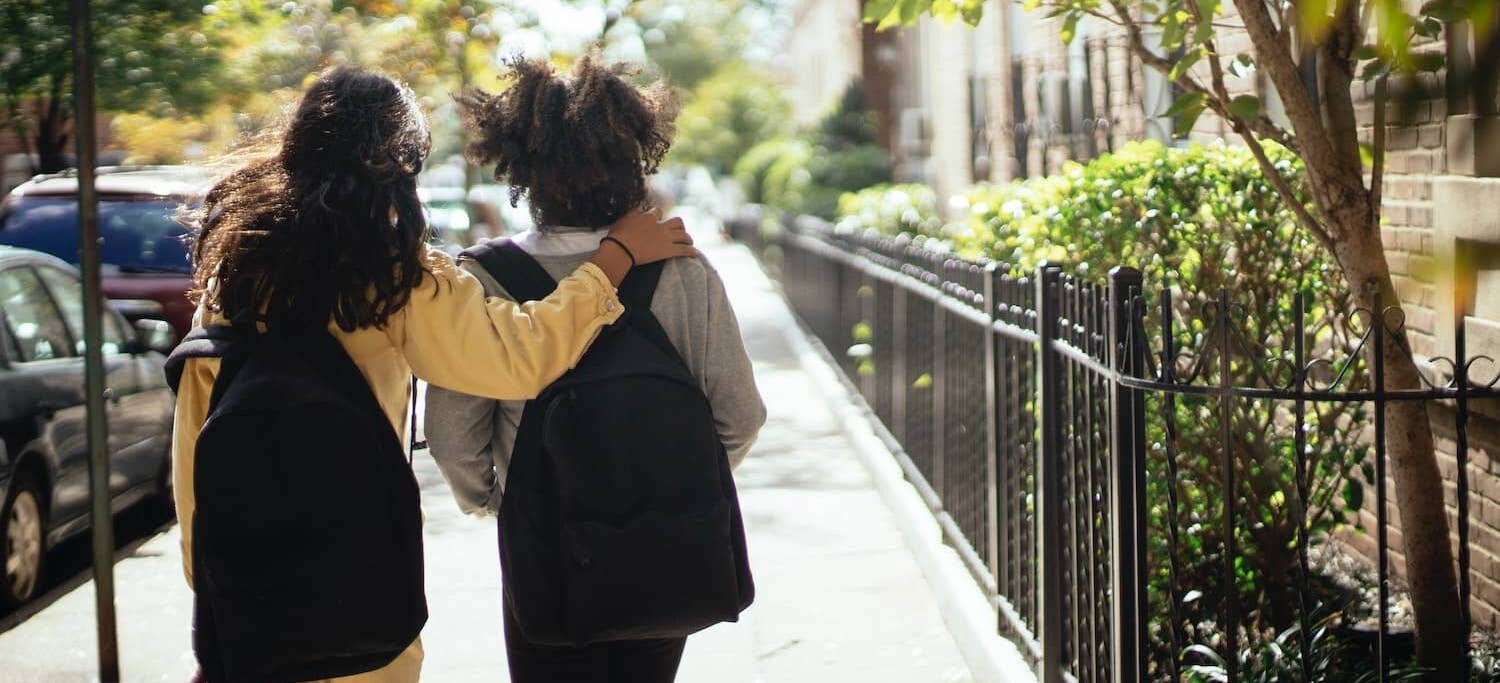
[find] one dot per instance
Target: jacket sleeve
(192, 409)
(455, 337)
(460, 437)
(728, 376)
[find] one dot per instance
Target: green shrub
(891, 210)
(808, 175)
(845, 156)
(726, 115)
(1278, 658)
(1198, 221)
(751, 169)
(834, 171)
(787, 179)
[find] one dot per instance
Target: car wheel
(24, 542)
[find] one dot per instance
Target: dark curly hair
(326, 223)
(579, 148)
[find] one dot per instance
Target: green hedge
(1195, 220)
(892, 210)
(808, 174)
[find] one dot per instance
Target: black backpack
(620, 519)
(307, 538)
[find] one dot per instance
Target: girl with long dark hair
(329, 223)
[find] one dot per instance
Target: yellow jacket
(448, 334)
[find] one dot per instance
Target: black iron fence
(1020, 406)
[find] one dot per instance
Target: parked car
(145, 252)
(44, 473)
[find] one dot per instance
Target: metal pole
(93, 319)
(1049, 570)
(1127, 446)
(993, 536)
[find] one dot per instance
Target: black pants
(631, 661)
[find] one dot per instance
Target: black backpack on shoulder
(620, 519)
(307, 537)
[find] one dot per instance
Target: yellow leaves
(151, 140)
(1315, 19)
(888, 14)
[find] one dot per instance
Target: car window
(36, 329)
(67, 291)
(139, 235)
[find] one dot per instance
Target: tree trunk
(51, 154)
(876, 76)
(51, 137)
(1411, 458)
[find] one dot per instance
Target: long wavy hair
(580, 148)
(327, 222)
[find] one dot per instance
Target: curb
(966, 611)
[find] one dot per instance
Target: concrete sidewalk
(839, 596)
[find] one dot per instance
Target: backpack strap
(639, 287)
(636, 292)
(212, 341)
(520, 274)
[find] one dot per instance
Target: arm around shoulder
(455, 337)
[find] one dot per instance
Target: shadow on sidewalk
(70, 564)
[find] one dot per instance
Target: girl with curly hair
(581, 149)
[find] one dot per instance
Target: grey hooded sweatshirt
(471, 438)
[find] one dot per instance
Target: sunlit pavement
(839, 597)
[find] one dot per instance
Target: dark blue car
(44, 496)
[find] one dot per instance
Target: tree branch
(1215, 67)
(1261, 125)
(1377, 163)
(1272, 51)
(1243, 127)
(1283, 187)
(1335, 76)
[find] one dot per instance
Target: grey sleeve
(460, 430)
(461, 437)
(728, 376)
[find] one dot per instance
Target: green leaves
(1427, 61)
(1445, 10)
(1315, 18)
(1354, 495)
(970, 11)
(1185, 64)
(1374, 69)
(877, 10)
(1243, 65)
(1207, 10)
(1185, 112)
(727, 114)
(1245, 106)
(887, 14)
(155, 56)
(1069, 28)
